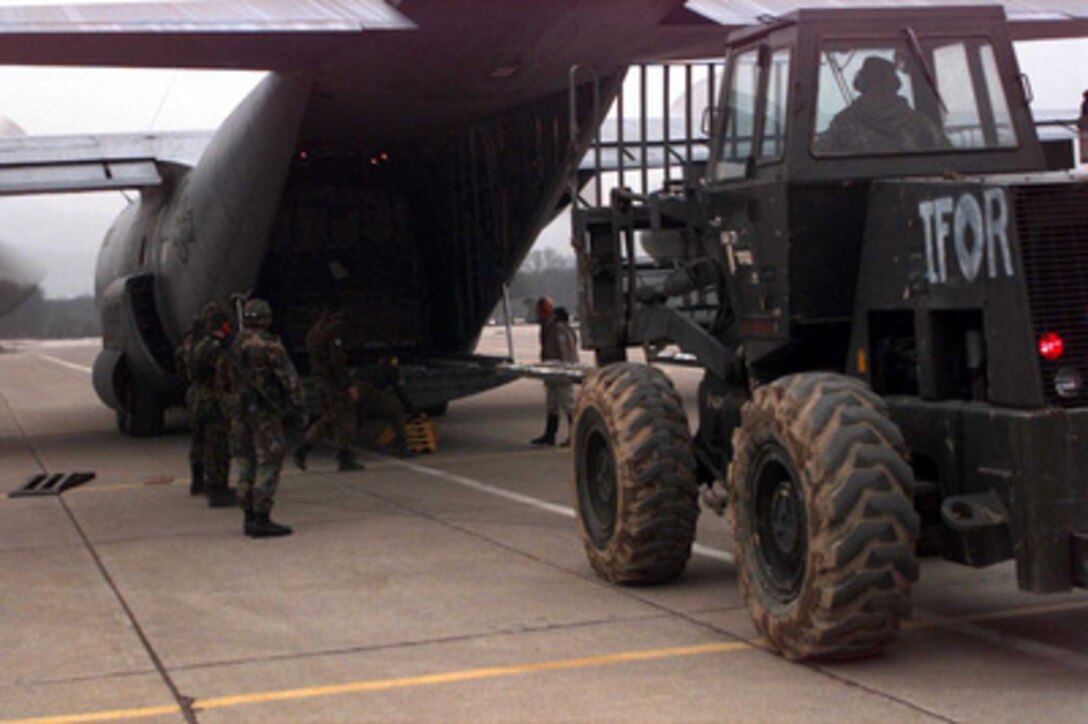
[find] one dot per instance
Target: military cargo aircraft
(400, 157)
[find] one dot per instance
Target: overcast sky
(63, 232)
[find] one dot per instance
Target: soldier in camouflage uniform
(880, 120)
(182, 356)
(329, 367)
(384, 397)
(211, 430)
(264, 394)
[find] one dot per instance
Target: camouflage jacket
(386, 376)
(205, 397)
(257, 375)
(881, 123)
(328, 360)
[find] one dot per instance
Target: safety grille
(1052, 224)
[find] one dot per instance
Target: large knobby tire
(634, 475)
(822, 517)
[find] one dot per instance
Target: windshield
(900, 97)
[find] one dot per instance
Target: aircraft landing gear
(142, 414)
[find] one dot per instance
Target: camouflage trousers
(210, 451)
(384, 405)
(559, 397)
(258, 445)
(337, 417)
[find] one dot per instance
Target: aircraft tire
(143, 416)
(822, 517)
(437, 410)
(634, 475)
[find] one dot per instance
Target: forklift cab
(818, 110)
(824, 95)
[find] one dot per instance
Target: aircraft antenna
(162, 101)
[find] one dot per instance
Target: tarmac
(451, 586)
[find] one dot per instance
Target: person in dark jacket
(329, 367)
(558, 343)
(880, 120)
(384, 397)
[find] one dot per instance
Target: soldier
(384, 397)
(557, 343)
(879, 119)
(329, 367)
(210, 425)
(264, 394)
(182, 357)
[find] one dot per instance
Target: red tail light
(1051, 346)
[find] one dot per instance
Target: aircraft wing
(241, 34)
(290, 35)
(1028, 19)
(50, 164)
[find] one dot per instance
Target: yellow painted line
(117, 715)
(360, 687)
(469, 675)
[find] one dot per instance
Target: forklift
(886, 288)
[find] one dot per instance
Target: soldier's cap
(877, 75)
(561, 314)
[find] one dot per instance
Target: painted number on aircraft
(972, 229)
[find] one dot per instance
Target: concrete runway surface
(450, 586)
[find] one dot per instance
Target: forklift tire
(634, 475)
(822, 518)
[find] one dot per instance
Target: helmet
(877, 75)
(257, 313)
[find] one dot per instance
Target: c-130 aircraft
(400, 157)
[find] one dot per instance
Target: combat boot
(300, 455)
(346, 462)
(548, 438)
(403, 450)
(264, 527)
(221, 496)
(196, 480)
(250, 522)
(570, 431)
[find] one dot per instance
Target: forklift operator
(879, 119)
